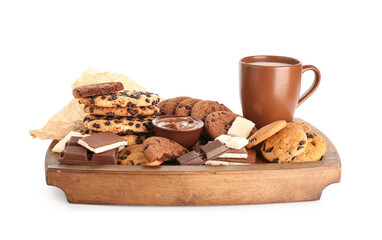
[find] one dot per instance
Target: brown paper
(70, 118)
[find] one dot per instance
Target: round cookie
(285, 145)
(184, 107)
(265, 132)
(162, 149)
(218, 123)
(119, 125)
(124, 98)
(203, 108)
(169, 105)
(314, 151)
(126, 112)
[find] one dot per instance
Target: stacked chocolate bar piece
(110, 108)
(101, 148)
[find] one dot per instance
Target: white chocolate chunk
(241, 127)
(60, 146)
(223, 163)
(233, 142)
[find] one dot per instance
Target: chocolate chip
(139, 140)
(131, 123)
(308, 135)
(188, 107)
(96, 125)
(301, 142)
(114, 97)
(180, 106)
(276, 160)
(313, 143)
(117, 121)
(107, 123)
(293, 158)
(269, 150)
(132, 111)
(148, 100)
(110, 114)
(299, 148)
(122, 157)
(92, 102)
(132, 163)
(137, 125)
(129, 132)
(103, 97)
(143, 108)
(213, 119)
(91, 110)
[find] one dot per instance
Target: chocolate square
(213, 149)
(190, 158)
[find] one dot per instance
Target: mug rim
(283, 59)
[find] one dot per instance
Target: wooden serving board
(195, 185)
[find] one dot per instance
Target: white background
(190, 48)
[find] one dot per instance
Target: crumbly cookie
(97, 89)
(285, 145)
(121, 125)
(127, 112)
(314, 151)
(218, 123)
(201, 109)
(168, 106)
(184, 107)
(122, 99)
(265, 132)
(162, 149)
(131, 139)
(133, 155)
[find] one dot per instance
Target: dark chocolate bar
(76, 154)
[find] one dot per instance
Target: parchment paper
(71, 116)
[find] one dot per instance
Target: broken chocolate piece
(191, 158)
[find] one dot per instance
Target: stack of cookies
(283, 142)
(110, 108)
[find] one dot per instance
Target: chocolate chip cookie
(133, 155)
(314, 151)
(201, 109)
(97, 89)
(184, 107)
(119, 125)
(132, 139)
(123, 99)
(300, 125)
(218, 123)
(284, 146)
(265, 132)
(162, 149)
(127, 112)
(168, 106)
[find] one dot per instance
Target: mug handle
(314, 86)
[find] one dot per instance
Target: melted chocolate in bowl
(183, 130)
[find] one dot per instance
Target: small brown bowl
(185, 137)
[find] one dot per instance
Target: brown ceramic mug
(270, 87)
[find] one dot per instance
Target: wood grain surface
(195, 185)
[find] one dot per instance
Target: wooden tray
(195, 185)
